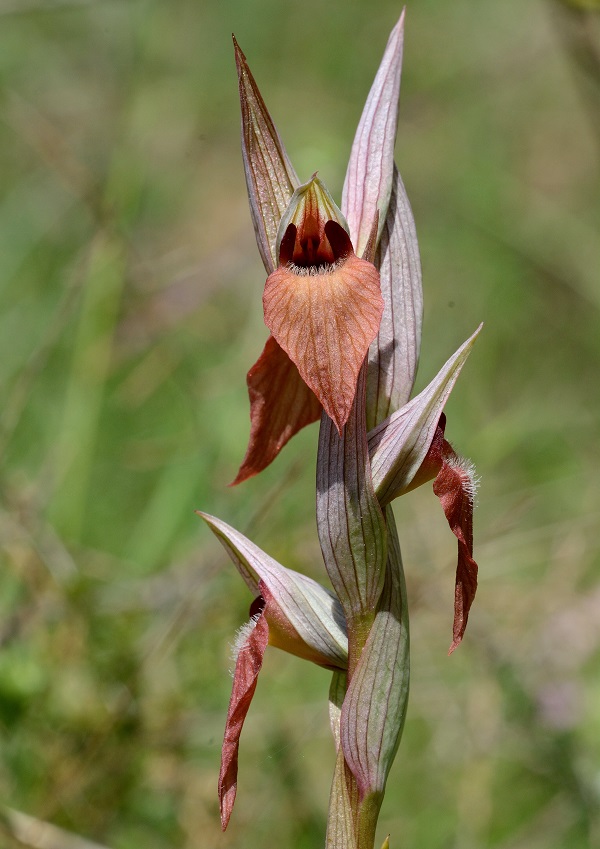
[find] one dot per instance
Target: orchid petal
(325, 322)
(311, 610)
(368, 182)
(270, 176)
(399, 445)
(351, 526)
(281, 404)
(394, 353)
(374, 709)
(245, 677)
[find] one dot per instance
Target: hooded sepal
(310, 208)
(398, 446)
(270, 176)
(374, 709)
(296, 601)
(281, 404)
(350, 523)
(394, 353)
(368, 183)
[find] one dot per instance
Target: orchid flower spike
(343, 304)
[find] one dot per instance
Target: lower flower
(291, 612)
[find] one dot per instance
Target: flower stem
(366, 824)
(358, 634)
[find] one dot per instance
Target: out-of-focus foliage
(130, 311)
(588, 5)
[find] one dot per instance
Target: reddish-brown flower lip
(323, 305)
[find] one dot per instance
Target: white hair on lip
(241, 637)
(468, 472)
(315, 270)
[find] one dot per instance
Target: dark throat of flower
(314, 247)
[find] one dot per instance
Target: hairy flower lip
(323, 304)
(326, 320)
(313, 270)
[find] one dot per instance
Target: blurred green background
(130, 312)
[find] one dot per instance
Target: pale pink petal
(311, 612)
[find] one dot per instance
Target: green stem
(358, 634)
(366, 822)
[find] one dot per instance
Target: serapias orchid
(343, 303)
(291, 612)
(325, 307)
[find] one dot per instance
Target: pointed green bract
(343, 802)
(374, 709)
(398, 446)
(270, 176)
(344, 791)
(351, 526)
(394, 353)
(313, 612)
(368, 183)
